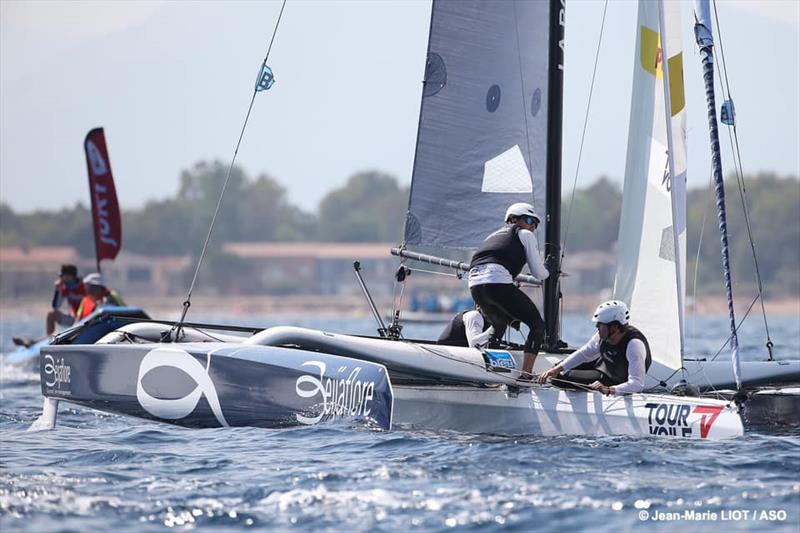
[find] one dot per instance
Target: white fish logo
(49, 370)
(174, 409)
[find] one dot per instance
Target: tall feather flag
(105, 209)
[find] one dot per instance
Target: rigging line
(661, 384)
(187, 303)
(435, 272)
(749, 308)
(583, 134)
(740, 181)
(697, 256)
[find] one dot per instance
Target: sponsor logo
(499, 359)
(101, 201)
(340, 397)
(709, 415)
(673, 419)
(176, 408)
(96, 161)
(56, 372)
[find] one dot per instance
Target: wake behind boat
(489, 135)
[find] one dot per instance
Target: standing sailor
(494, 266)
(614, 361)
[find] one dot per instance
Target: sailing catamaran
(107, 225)
(489, 135)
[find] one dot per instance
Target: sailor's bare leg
(51, 322)
(527, 365)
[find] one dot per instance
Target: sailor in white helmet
(494, 266)
(614, 361)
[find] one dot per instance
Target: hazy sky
(171, 81)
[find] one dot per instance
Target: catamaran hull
(198, 385)
(222, 384)
(716, 375)
(545, 411)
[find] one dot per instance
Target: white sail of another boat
(651, 267)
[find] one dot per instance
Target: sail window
(435, 74)
(507, 173)
(493, 98)
(536, 101)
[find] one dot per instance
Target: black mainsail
(490, 126)
(482, 139)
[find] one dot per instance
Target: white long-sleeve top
(636, 353)
(496, 273)
(473, 326)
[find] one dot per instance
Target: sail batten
(482, 139)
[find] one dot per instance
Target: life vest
(613, 361)
(455, 334)
(88, 305)
(73, 294)
(504, 248)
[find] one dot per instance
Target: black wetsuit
(455, 334)
(502, 303)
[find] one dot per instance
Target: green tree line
(371, 206)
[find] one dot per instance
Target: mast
(552, 247)
(705, 42)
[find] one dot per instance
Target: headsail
(482, 139)
(105, 209)
(652, 237)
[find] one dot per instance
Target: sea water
(101, 472)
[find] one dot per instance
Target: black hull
(193, 386)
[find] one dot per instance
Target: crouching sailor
(614, 361)
(467, 328)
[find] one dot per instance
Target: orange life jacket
(86, 307)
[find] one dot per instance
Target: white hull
(717, 375)
(545, 411)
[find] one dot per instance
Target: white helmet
(610, 311)
(521, 209)
(94, 279)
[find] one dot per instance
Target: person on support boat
(97, 295)
(467, 328)
(614, 361)
(67, 288)
(494, 266)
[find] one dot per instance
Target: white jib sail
(651, 266)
